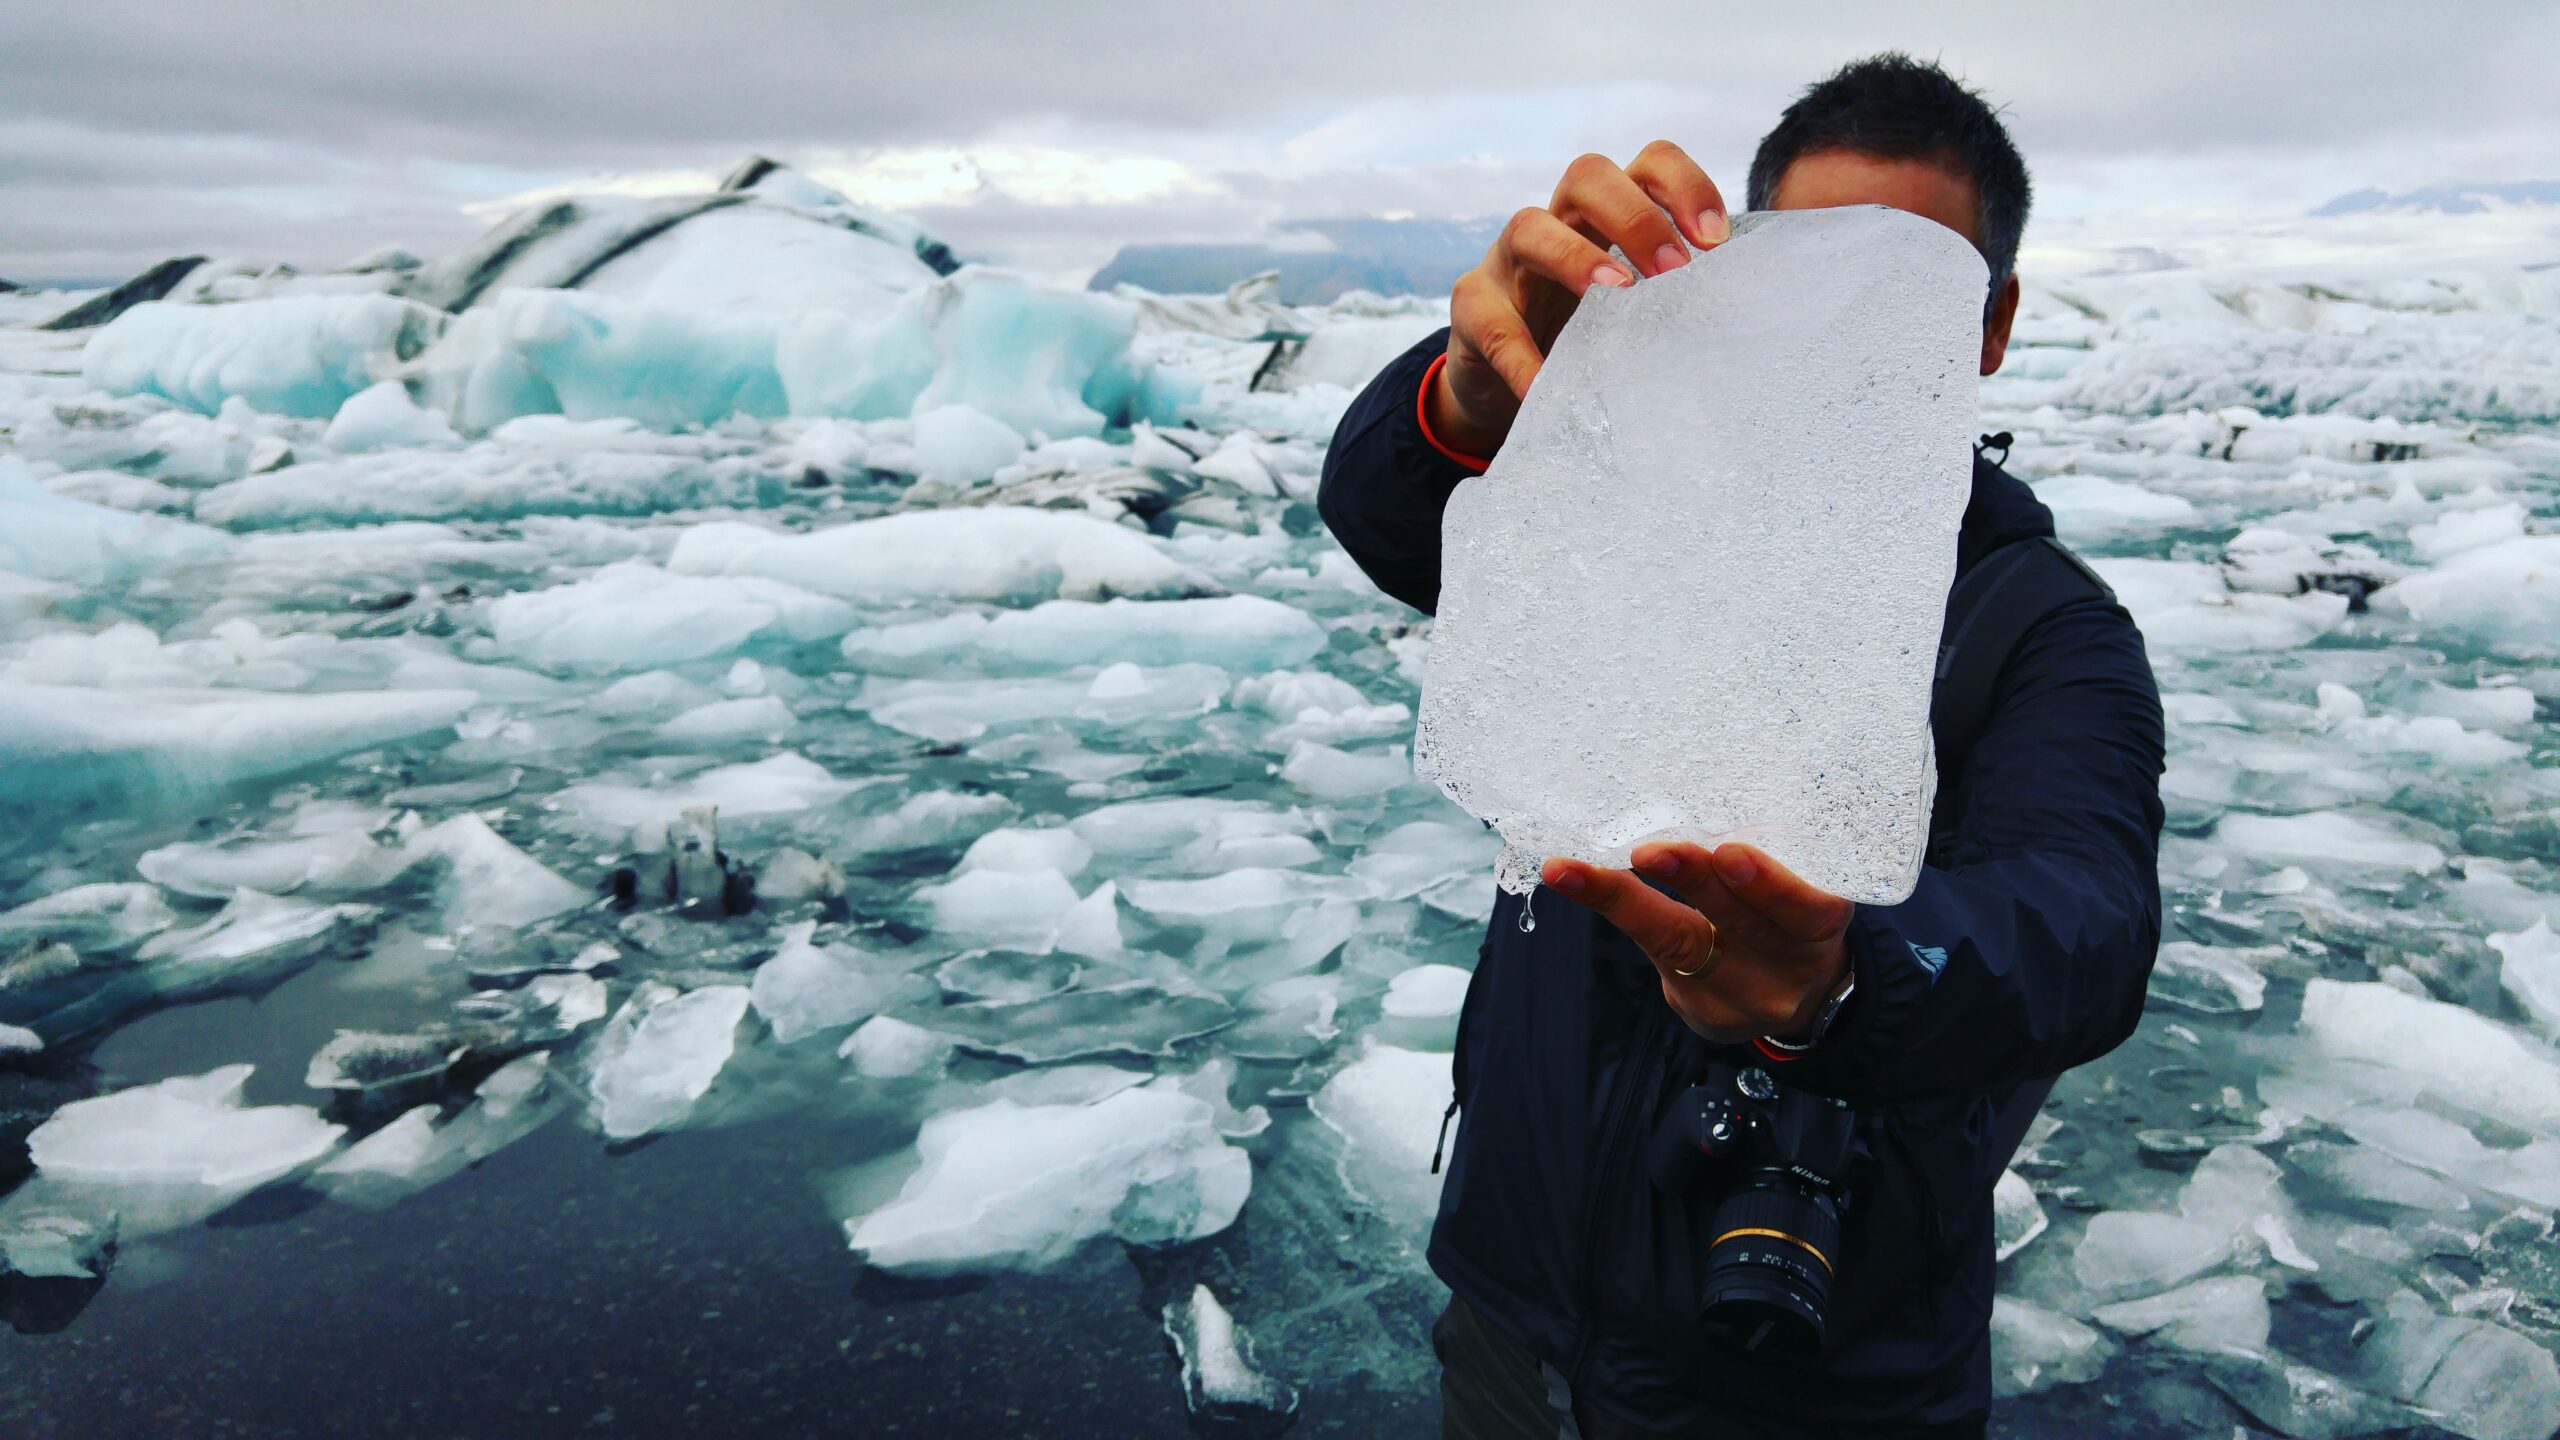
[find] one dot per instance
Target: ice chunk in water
(1218, 1375)
(60, 743)
(2221, 1313)
(1012, 1184)
(2234, 1200)
(2529, 970)
(165, 1155)
(2017, 1216)
(806, 987)
(414, 1152)
(1387, 1107)
(2033, 1348)
(1427, 992)
(383, 417)
(51, 537)
(887, 1048)
(2482, 1379)
(635, 615)
(2466, 1059)
(660, 1052)
(488, 881)
(1739, 480)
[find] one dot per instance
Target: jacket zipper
(1639, 1075)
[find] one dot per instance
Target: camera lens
(1769, 1269)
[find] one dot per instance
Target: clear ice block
(1698, 594)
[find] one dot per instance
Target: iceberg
(1771, 441)
(291, 355)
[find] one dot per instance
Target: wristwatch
(1823, 1020)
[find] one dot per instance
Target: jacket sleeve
(2030, 950)
(1385, 485)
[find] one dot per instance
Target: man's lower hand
(1746, 949)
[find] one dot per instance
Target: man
(1576, 1305)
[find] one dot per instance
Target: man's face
(1924, 187)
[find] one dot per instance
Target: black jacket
(2025, 950)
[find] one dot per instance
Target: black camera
(1785, 1157)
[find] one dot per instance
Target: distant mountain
(2446, 199)
(1390, 257)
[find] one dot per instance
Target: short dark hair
(1894, 106)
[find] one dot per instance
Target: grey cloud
(122, 120)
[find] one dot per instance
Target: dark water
(694, 1285)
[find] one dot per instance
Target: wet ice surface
(1697, 595)
(1104, 955)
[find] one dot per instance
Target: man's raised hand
(1505, 313)
(1764, 947)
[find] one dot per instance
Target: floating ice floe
(1237, 632)
(486, 881)
(2444, 1050)
(146, 748)
(2529, 971)
(169, 1154)
(1386, 1107)
(659, 1054)
(1008, 1184)
(2481, 1379)
(779, 784)
(1219, 1378)
(2033, 1348)
(885, 1047)
(2185, 606)
(634, 616)
(995, 554)
(2225, 1312)
(47, 537)
(419, 1149)
(2500, 598)
(2231, 1205)
(807, 988)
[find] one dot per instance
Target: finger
(1776, 892)
(1488, 321)
(1538, 243)
(1678, 185)
(1689, 872)
(1598, 192)
(1673, 936)
(1688, 869)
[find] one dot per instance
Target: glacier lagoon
(834, 851)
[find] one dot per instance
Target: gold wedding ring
(1715, 952)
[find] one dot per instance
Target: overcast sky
(1046, 134)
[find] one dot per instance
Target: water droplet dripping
(1529, 912)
